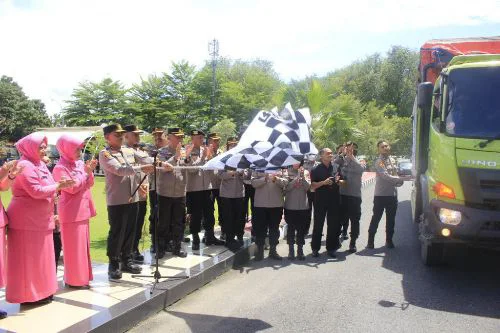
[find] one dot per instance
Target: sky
(49, 46)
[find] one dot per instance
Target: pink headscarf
(66, 145)
(29, 146)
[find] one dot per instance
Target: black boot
(300, 253)
(352, 245)
(273, 254)
(114, 272)
(196, 242)
(259, 255)
(210, 239)
(178, 251)
(128, 266)
(291, 252)
(371, 241)
(138, 257)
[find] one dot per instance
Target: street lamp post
(213, 50)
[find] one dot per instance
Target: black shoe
(138, 257)
(114, 272)
(259, 255)
(43, 301)
(186, 240)
(389, 244)
(212, 240)
(169, 247)
(291, 252)
(332, 254)
(195, 245)
(160, 254)
(233, 245)
(222, 236)
(352, 246)
(300, 253)
(315, 253)
(3, 314)
(345, 237)
(77, 287)
(129, 267)
(273, 254)
(179, 252)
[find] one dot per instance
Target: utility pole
(213, 50)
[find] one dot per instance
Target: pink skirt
(76, 248)
(31, 266)
(2, 257)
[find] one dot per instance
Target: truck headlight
(449, 216)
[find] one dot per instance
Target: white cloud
(50, 46)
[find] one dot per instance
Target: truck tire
(432, 253)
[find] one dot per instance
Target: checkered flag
(272, 140)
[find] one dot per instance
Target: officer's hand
(90, 166)
(328, 181)
(189, 149)
(147, 168)
(178, 151)
(168, 167)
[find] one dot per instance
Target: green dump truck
(456, 146)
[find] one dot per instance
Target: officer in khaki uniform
(268, 203)
(386, 194)
(171, 190)
(232, 194)
(297, 208)
(132, 140)
(199, 189)
(159, 142)
(122, 167)
(214, 146)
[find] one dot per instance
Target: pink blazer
(75, 203)
(33, 193)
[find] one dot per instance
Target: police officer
(214, 146)
(132, 140)
(297, 208)
(159, 142)
(122, 167)
(232, 194)
(268, 210)
(199, 186)
(171, 190)
(324, 178)
(350, 193)
(386, 195)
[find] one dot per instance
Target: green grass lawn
(99, 225)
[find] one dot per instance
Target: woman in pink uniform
(8, 173)
(75, 208)
(31, 271)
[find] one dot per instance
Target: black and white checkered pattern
(272, 140)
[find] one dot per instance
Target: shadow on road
(468, 284)
(208, 323)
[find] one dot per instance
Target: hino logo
(491, 164)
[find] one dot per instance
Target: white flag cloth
(272, 140)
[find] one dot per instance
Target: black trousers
(56, 235)
(141, 214)
(215, 196)
(232, 212)
(267, 219)
(152, 226)
(310, 198)
(249, 196)
(201, 207)
(350, 208)
(329, 208)
(171, 223)
(390, 204)
(297, 222)
(122, 222)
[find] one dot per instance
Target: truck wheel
(432, 253)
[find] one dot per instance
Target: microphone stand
(156, 217)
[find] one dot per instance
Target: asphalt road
(380, 290)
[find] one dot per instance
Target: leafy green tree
(19, 115)
(95, 103)
(225, 128)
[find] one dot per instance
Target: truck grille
(481, 188)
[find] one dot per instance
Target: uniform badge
(381, 164)
(107, 155)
